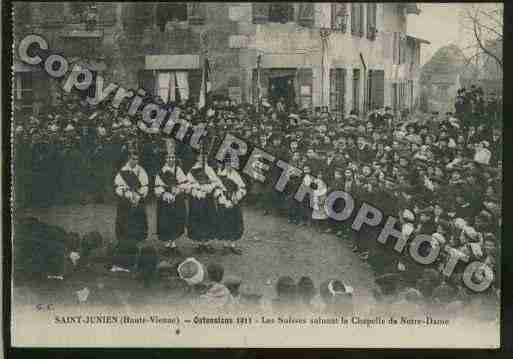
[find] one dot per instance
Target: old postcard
(256, 174)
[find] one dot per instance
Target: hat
(336, 287)
(250, 292)
(438, 237)
(165, 267)
(191, 271)
(460, 223)
(408, 215)
(232, 282)
(412, 295)
(388, 282)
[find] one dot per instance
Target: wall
(233, 44)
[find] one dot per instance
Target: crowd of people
(440, 174)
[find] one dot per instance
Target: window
(170, 12)
(197, 13)
(136, 18)
(78, 11)
(357, 19)
(337, 92)
(339, 16)
(260, 13)
(399, 49)
(444, 90)
(371, 20)
(172, 86)
(52, 13)
(281, 12)
(30, 90)
(306, 14)
(24, 91)
(22, 13)
(304, 81)
(356, 90)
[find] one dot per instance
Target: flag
(205, 84)
(259, 84)
(178, 97)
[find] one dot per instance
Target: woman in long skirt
(229, 213)
(202, 181)
(171, 214)
(131, 187)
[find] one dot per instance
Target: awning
(418, 39)
(172, 62)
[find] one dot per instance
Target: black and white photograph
(278, 174)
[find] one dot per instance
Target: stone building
(449, 70)
(340, 55)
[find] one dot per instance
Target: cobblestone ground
(271, 248)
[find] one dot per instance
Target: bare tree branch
(477, 27)
(497, 19)
(477, 36)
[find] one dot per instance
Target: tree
(484, 24)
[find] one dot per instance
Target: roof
(418, 39)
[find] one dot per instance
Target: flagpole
(259, 59)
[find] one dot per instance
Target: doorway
(282, 87)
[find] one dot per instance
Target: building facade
(345, 56)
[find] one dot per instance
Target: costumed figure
(170, 186)
(131, 187)
(202, 181)
(229, 196)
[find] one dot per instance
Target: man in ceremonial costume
(202, 181)
(229, 196)
(170, 185)
(131, 187)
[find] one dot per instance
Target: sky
(439, 24)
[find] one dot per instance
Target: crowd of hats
(441, 172)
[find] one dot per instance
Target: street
(271, 248)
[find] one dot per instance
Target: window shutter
(306, 14)
(355, 17)
(290, 12)
(377, 88)
(197, 13)
(396, 48)
(260, 13)
(333, 89)
(404, 48)
(195, 84)
(371, 20)
(361, 23)
(107, 13)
